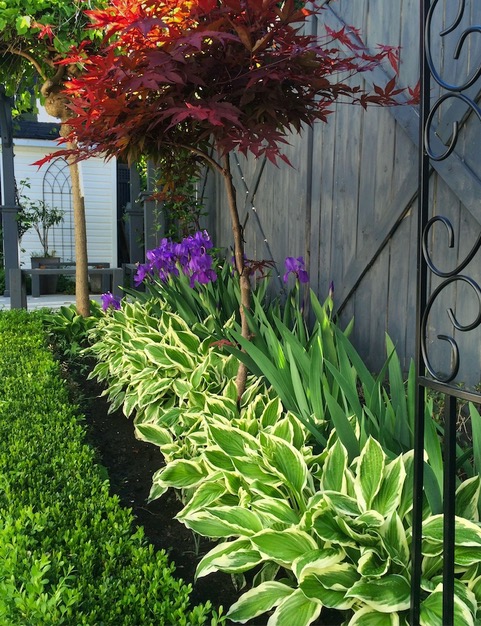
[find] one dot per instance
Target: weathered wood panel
(349, 205)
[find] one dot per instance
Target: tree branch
(30, 59)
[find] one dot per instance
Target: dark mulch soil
(130, 464)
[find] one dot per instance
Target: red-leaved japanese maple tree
(210, 77)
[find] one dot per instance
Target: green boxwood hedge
(68, 554)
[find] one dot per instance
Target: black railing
(438, 95)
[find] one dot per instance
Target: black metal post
(8, 207)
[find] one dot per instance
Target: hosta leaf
(224, 522)
(362, 536)
(283, 546)
(156, 354)
(467, 534)
(204, 496)
(370, 565)
(388, 594)
(271, 413)
(342, 504)
(218, 459)
(431, 611)
(334, 469)
(332, 596)
(278, 509)
(467, 556)
(317, 561)
(226, 553)
(233, 441)
(296, 609)
(237, 516)
(180, 474)
(328, 529)
(249, 467)
(369, 617)
(153, 434)
(369, 472)
(395, 540)
(389, 495)
(258, 600)
(286, 460)
(467, 498)
(179, 358)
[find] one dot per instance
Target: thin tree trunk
(56, 105)
(82, 298)
(245, 287)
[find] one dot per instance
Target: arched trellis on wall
(57, 192)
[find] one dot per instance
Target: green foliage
(68, 553)
(33, 34)
(206, 308)
(308, 484)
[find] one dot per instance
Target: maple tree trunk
(245, 286)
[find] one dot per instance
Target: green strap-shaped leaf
(259, 600)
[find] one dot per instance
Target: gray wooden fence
(349, 205)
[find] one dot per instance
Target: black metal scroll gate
(453, 96)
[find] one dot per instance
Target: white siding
(99, 181)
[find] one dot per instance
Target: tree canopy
(234, 74)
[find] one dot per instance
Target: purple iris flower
(190, 256)
(109, 301)
(297, 267)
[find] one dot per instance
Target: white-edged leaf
(153, 433)
(180, 474)
(389, 495)
(431, 610)
(467, 534)
(224, 522)
(370, 469)
(334, 469)
(369, 617)
(229, 556)
(387, 594)
(205, 495)
(288, 462)
(317, 561)
(295, 609)
(467, 498)
(284, 546)
(258, 600)
(313, 588)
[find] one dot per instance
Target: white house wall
(99, 181)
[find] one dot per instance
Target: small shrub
(68, 554)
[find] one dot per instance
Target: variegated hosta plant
(320, 531)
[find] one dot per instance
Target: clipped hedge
(68, 554)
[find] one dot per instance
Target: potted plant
(37, 214)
